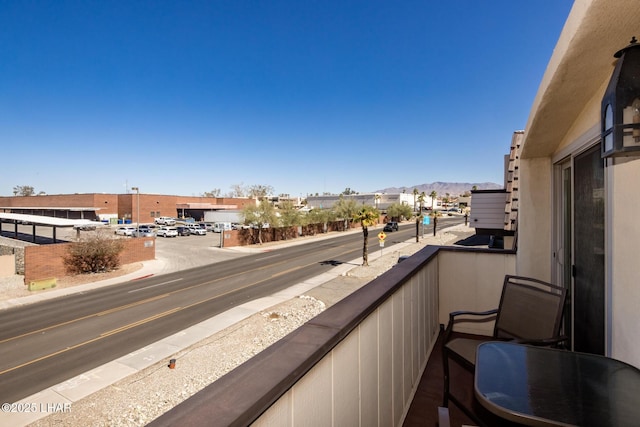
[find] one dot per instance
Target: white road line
(153, 286)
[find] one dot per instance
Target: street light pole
(137, 190)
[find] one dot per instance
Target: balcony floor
(428, 397)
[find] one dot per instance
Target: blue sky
(183, 97)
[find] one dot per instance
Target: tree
(433, 196)
(415, 196)
(320, 216)
(237, 190)
(213, 193)
(399, 210)
(259, 216)
(289, 215)
(348, 191)
(95, 253)
(345, 209)
(367, 216)
(260, 191)
(435, 215)
(23, 190)
(421, 198)
(445, 200)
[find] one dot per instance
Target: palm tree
(433, 196)
(421, 198)
(415, 195)
(367, 216)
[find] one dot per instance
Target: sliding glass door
(579, 248)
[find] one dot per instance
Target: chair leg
(445, 367)
(443, 417)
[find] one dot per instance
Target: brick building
(113, 207)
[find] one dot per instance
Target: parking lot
(172, 253)
(182, 252)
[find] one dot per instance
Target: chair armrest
(472, 313)
(454, 314)
(543, 342)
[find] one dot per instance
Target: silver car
(143, 232)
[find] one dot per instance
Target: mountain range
(442, 188)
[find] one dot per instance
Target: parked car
(197, 230)
(219, 227)
(167, 232)
(391, 226)
(403, 258)
(144, 232)
(165, 220)
(125, 231)
(183, 231)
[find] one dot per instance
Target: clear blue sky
(182, 97)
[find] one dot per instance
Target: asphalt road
(45, 343)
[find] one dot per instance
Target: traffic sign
(381, 235)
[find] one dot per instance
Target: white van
(219, 227)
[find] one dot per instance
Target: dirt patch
(81, 279)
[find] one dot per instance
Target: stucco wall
(7, 265)
(622, 257)
(472, 281)
(534, 219)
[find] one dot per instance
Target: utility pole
(137, 190)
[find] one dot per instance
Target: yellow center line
(101, 336)
(282, 273)
(88, 316)
(139, 322)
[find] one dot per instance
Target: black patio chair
(530, 312)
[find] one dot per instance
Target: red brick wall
(46, 261)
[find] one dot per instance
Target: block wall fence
(46, 261)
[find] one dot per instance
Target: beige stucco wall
(472, 281)
(622, 259)
(534, 219)
(7, 265)
(589, 117)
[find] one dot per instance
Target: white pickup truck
(165, 220)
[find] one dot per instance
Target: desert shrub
(93, 253)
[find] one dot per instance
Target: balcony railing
(360, 361)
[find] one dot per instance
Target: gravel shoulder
(138, 399)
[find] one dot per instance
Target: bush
(95, 253)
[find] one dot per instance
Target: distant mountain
(442, 188)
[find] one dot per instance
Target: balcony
(371, 359)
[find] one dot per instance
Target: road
(46, 343)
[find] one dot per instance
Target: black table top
(546, 387)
